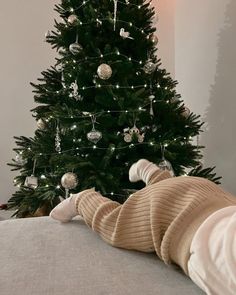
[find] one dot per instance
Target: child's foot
(66, 210)
(142, 170)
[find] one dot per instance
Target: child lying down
(188, 221)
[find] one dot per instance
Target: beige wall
(165, 23)
(205, 66)
(23, 56)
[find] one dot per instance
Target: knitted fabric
(162, 217)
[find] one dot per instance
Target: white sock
(142, 170)
(66, 210)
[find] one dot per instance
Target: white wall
(23, 56)
(205, 66)
(165, 23)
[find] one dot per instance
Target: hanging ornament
(72, 19)
(151, 98)
(133, 133)
(32, 181)
(104, 71)
(63, 79)
(47, 35)
(58, 140)
(149, 67)
(186, 112)
(20, 160)
(41, 124)
(69, 181)
(153, 38)
(165, 164)
(124, 34)
(127, 137)
(75, 48)
(75, 94)
(94, 135)
(115, 13)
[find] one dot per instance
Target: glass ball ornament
(166, 165)
(149, 67)
(94, 136)
(153, 38)
(104, 71)
(75, 48)
(41, 124)
(72, 19)
(69, 180)
(20, 160)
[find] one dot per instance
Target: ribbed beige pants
(125, 226)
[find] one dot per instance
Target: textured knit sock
(142, 170)
(66, 210)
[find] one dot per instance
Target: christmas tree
(105, 104)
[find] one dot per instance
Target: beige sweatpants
(125, 226)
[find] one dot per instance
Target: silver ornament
(58, 140)
(124, 34)
(69, 180)
(127, 137)
(104, 71)
(151, 98)
(166, 165)
(31, 182)
(72, 19)
(75, 48)
(140, 138)
(75, 94)
(41, 124)
(134, 130)
(153, 38)
(149, 67)
(133, 133)
(94, 136)
(20, 160)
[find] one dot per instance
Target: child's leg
(148, 172)
(125, 226)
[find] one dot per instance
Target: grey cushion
(40, 256)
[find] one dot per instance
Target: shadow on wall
(220, 116)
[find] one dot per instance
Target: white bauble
(104, 71)
(69, 180)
